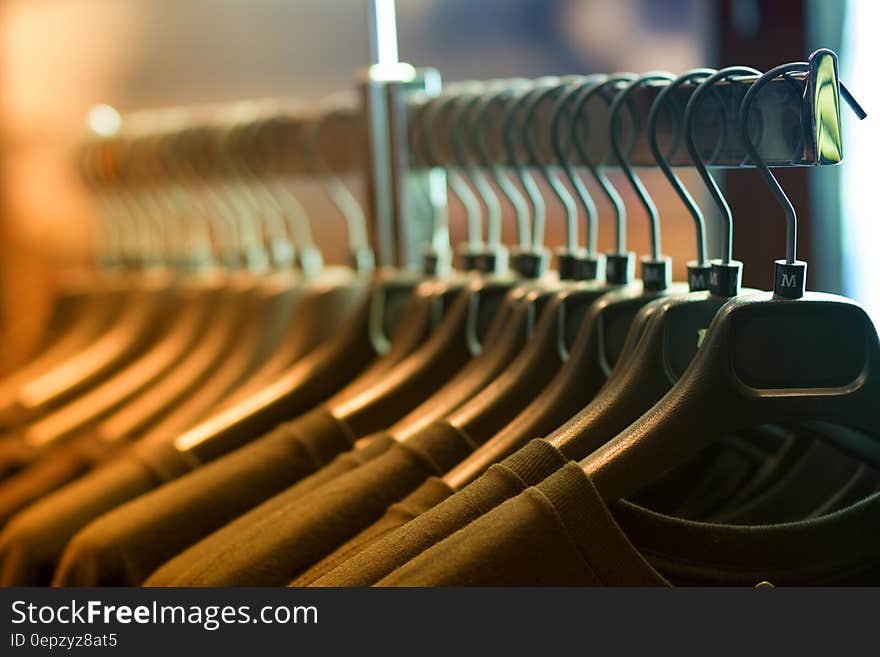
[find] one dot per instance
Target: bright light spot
(104, 120)
(395, 72)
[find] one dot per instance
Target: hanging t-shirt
(431, 493)
(412, 526)
(283, 537)
(32, 543)
(34, 539)
(126, 544)
(54, 468)
(526, 467)
(560, 533)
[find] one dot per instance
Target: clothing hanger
(751, 368)
(274, 297)
(237, 342)
(316, 300)
(434, 294)
(491, 255)
(533, 296)
(175, 361)
(276, 291)
(517, 312)
(607, 330)
(424, 140)
(670, 340)
(135, 327)
(564, 302)
(351, 360)
(536, 247)
(530, 257)
(275, 294)
(326, 295)
(479, 298)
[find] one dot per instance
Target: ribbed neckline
(535, 461)
(810, 552)
(807, 552)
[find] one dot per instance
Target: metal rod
(782, 139)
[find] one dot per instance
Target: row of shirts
(306, 505)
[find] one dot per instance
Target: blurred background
(58, 58)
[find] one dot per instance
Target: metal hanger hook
(361, 254)
(462, 127)
(579, 126)
(513, 130)
(561, 142)
(626, 167)
(550, 176)
(431, 114)
(479, 140)
(714, 190)
(682, 192)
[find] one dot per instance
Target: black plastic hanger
(516, 314)
(298, 307)
(761, 361)
(455, 342)
(592, 354)
(243, 326)
(556, 306)
(559, 338)
(350, 360)
(669, 342)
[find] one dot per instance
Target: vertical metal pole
(382, 26)
(412, 228)
(385, 87)
(382, 22)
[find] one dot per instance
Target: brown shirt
(126, 544)
(286, 535)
